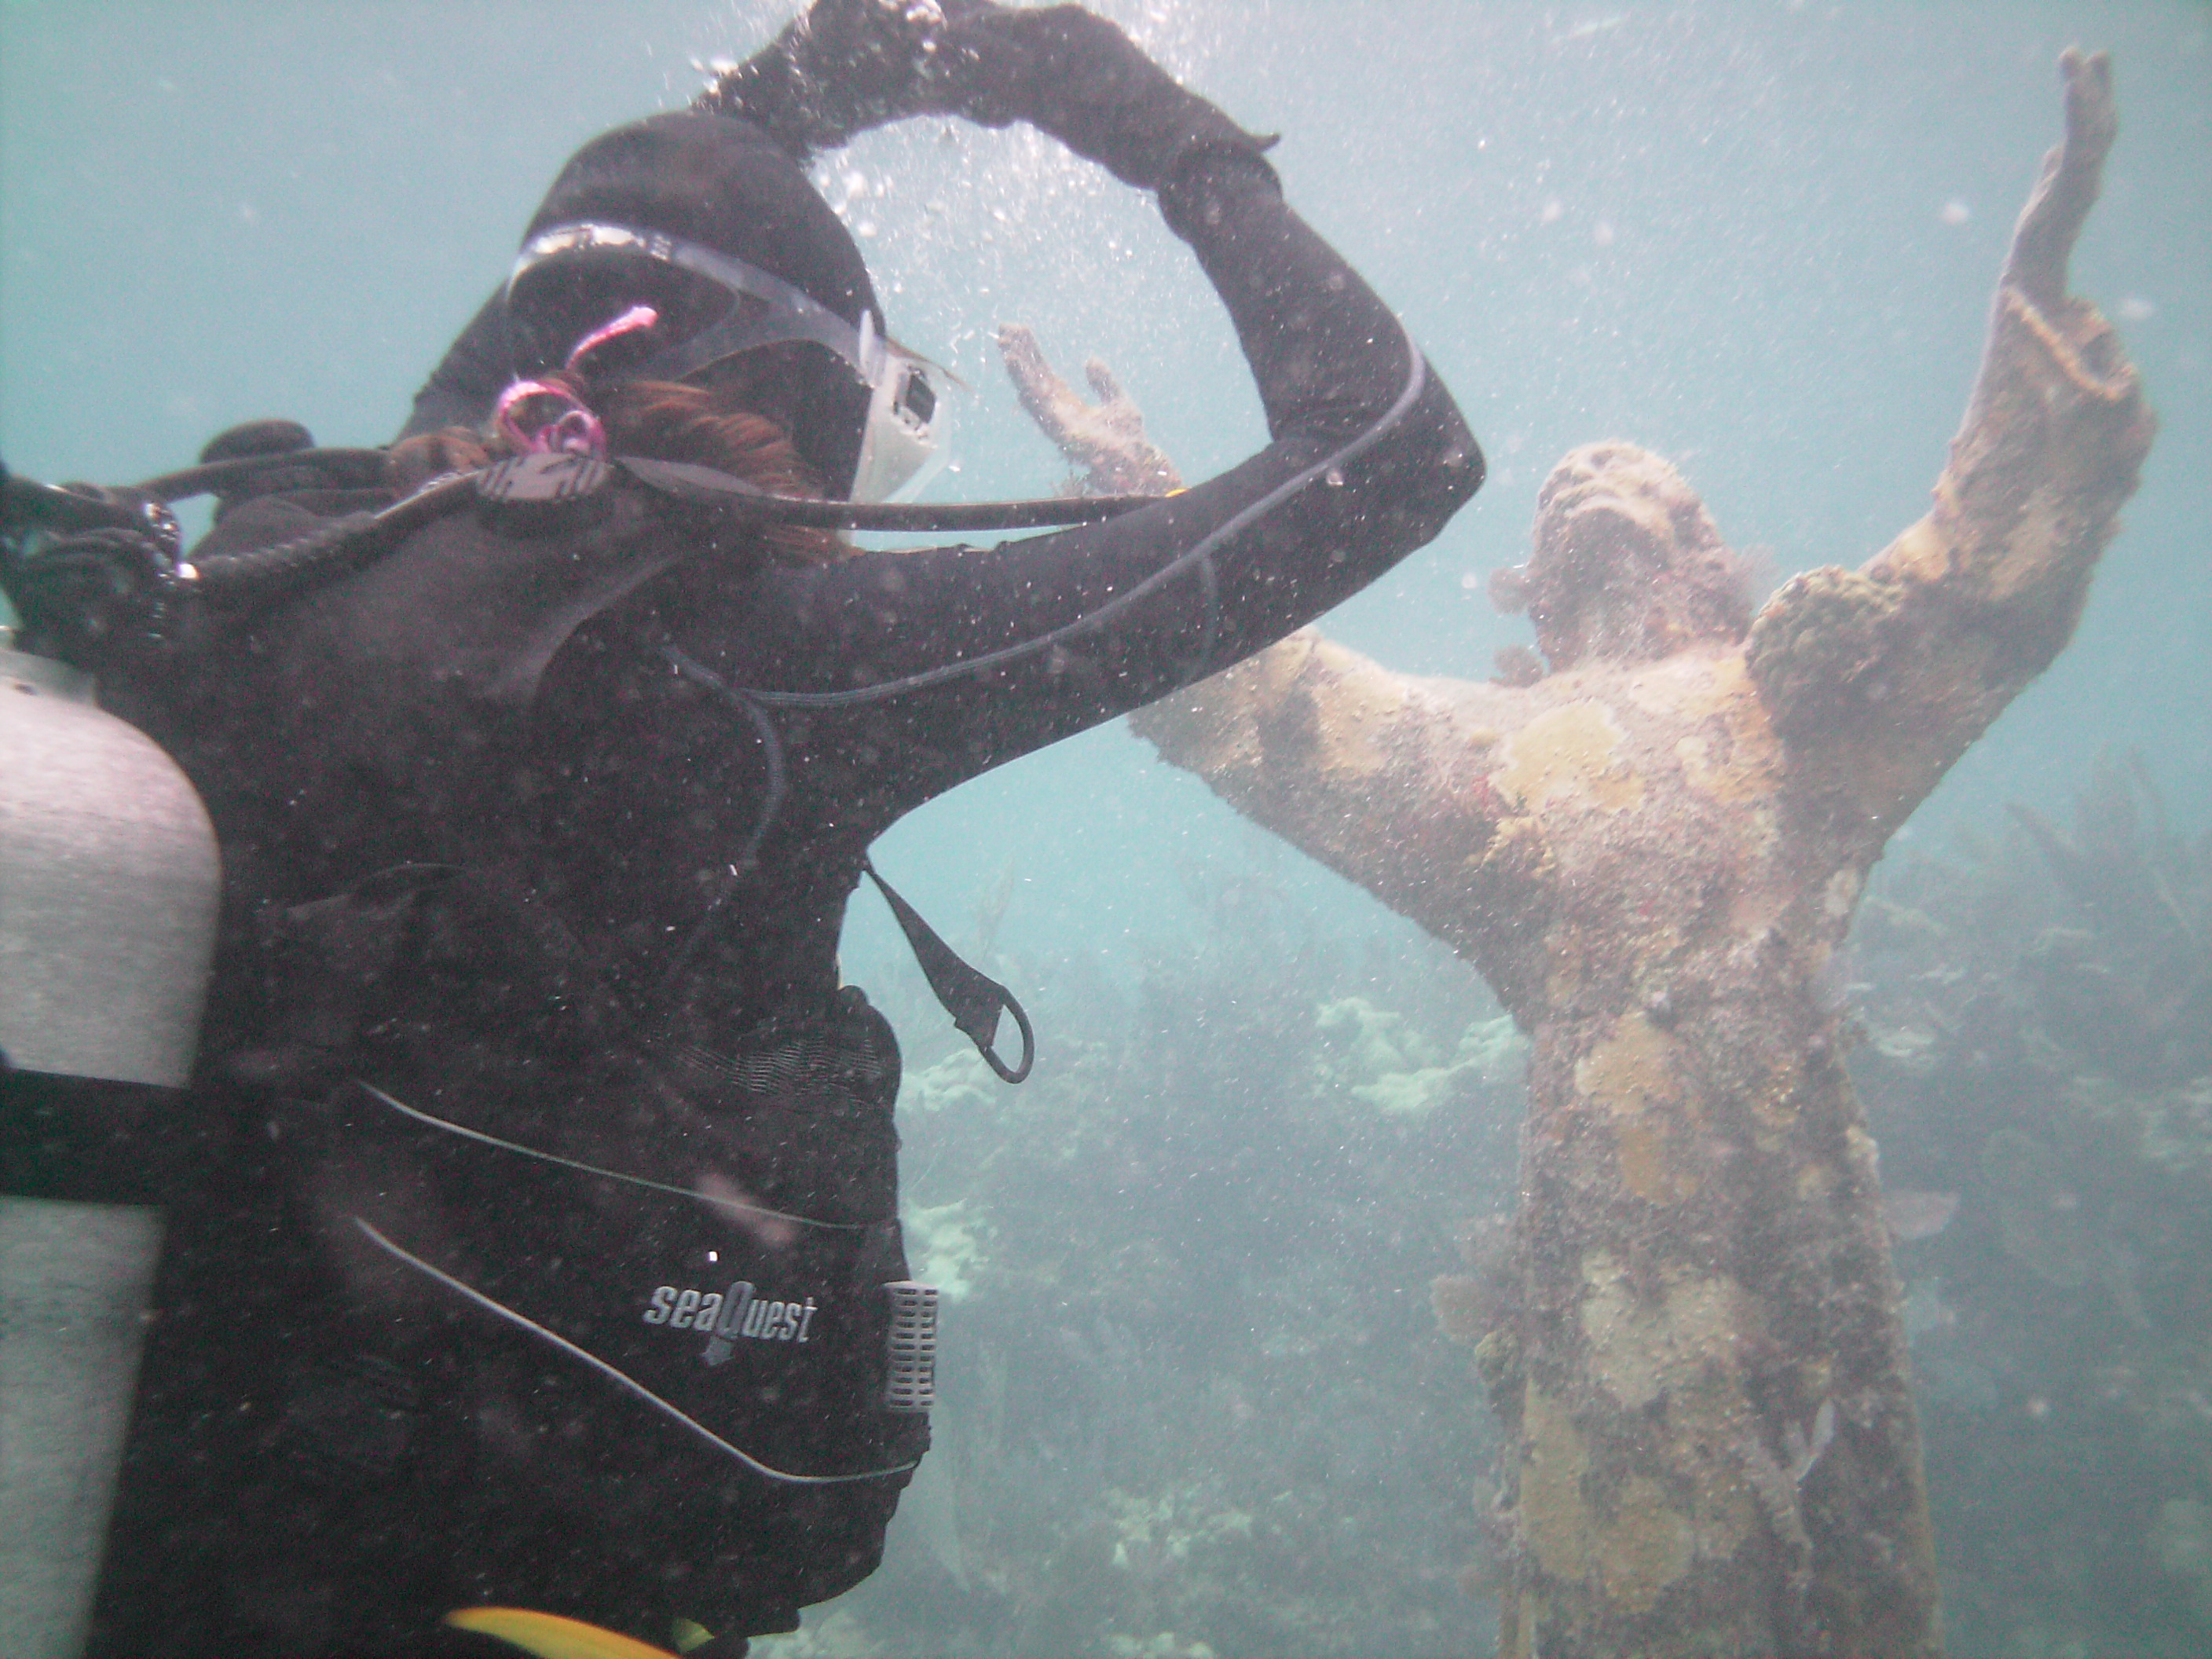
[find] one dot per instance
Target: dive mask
(888, 426)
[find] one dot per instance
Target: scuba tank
(109, 883)
(108, 887)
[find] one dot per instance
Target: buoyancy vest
(481, 1298)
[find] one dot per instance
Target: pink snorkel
(568, 427)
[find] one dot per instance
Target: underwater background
(1195, 1397)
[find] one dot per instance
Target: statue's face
(1628, 565)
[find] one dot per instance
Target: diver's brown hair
(710, 426)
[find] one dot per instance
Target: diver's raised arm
(1369, 457)
(844, 66)
(1880, 677)
(849, 64)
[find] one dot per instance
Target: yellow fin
(551, 1637)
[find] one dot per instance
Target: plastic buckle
(539, 495)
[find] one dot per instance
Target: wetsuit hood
(723, 182)
(720, 188)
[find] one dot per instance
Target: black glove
(1074, 75)
(847, 65)
(837, 70)
(90, 571)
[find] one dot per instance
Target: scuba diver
(533, 1244)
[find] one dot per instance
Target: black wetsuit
(550, 834)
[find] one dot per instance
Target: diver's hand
(1078, 76)
(846, 65)
(97, 592)
(839, 67)
(1106, 438)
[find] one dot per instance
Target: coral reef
(1165, 1645)
(1191, 1397)
(2134, 977)
(1154, 1534)
(1372, 1054)
(959, 1082)
(2062, 1323)
(946, 1246)
(2181, 1539)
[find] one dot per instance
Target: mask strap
(636, 320)
(572, 428)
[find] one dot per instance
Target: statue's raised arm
(1880, 677)
(1349, 762)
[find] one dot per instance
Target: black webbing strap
(973, 999)
(703, 486)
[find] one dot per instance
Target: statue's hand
(2090, 120)
(2071, 174)
(1106, 438)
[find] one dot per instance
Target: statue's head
(1628, 566)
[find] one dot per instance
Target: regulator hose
(343, 543)
(115, 550)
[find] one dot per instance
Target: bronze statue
(1652, 844)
